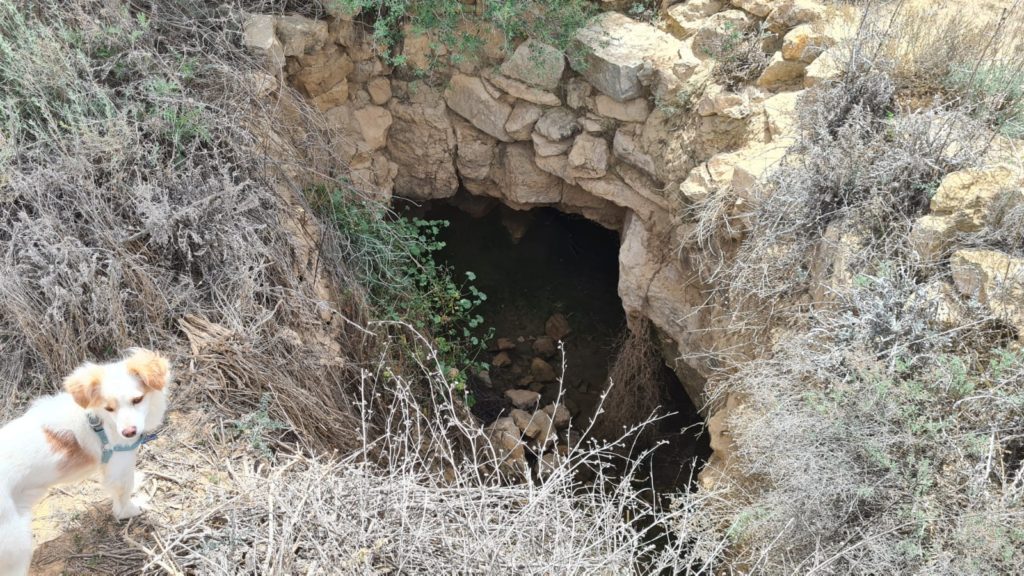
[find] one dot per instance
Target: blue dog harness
(108, 450)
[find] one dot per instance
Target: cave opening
(551, 276)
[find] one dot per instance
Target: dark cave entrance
(541, 264)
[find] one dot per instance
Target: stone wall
(633, 137)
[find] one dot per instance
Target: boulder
(537, 64)
(589, 157)
(336, 96)
(259, 36)
(379, 90)
(977, 196)
(522, 181)
(683, 20)
(995, 279)
(626, 147)
(719, 31)
(374, 123)
(525, 399)
(827, 66)
(932, 236)
(805, 43)
(476, 150)
(718, 101)
(542, 371)
(557, 124)
(781, 73)
(577, 91)
(545, 347)
(558, 166)
(780, 115)
(557, 327)
(422, 143)
(522, 119)
(635, 110)
(559, 415)
(617, 48)
(759, 8)
(501, 359)
(468, 97)
(544, 147)
(301, 35)
(790, 13)
(523, 91)
(321, 71)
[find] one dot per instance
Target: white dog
(98, 424)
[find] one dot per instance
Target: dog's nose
(129, 432)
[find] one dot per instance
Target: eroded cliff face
(638, 136)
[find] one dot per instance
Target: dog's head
(128, 395)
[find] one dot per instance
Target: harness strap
(107, 449)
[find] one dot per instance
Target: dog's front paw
(126, 511)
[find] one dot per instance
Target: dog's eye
(137, 400)
(109, 409)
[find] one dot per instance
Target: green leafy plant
(397, 258)
(448, 23)
(256, 425)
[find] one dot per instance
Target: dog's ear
(149, 367)
(84, 384)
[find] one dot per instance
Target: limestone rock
(535, 63)
(522, 119)
(683, 20)
(615, 190)
(722, 102)
(476, 150)
(301, 35)
(422, 143)
(524, 399)
(374, 123)
(931, 236)
(523, 91)
(467, 96)
(804, 44)
(545, 347)
(757, 7)
(626, 147)
(557, 124)
(559, 415)
(589, 157)
(708, 178)
(781, 72)
(557, 327)
(995, 279)
(545, 147)
(977, 195)
(522, 181)
(501, 359)
(825, 67)
(780, 115)
(617, 48)
(380, 90)
(635, 110)
(332, 98)
(548, 465)
(259, 36)
(750, 166)
(321, 71)
(557, 166)
(719, 30)
(577, 91)
(542, 371)
(790, 13)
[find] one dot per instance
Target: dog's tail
(15, 539)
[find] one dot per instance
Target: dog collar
(108, 450)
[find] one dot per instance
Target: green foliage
(997, 90)
(554, 22)
(396, 259)
(256, 426)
